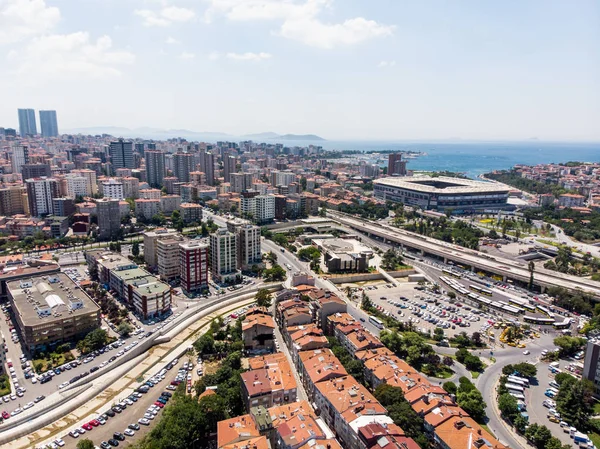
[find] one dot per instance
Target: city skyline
(461, 70)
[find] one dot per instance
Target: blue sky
(343, 69)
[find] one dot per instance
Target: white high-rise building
(223, 256)
(20, 157)
(40, 193)
(249, 253)
(112, 188)
(259, 208)
(77, 186)
(90, 177)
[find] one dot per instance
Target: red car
(94, 422)
(10, 365)
(87, 426)
(5, 415)
(159, 404)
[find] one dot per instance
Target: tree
(135, 249)
(85, 444)
(507, 404)
(177, 220)
(450, 387)
(448, 361)
(309, 253)
(531, 267)
(438, 334)
(451, 295)
(472, 402)
(124, 329)
(277, 273)
(205, 344)
(538, 435)
(563, 258)
(263, 298)
(568, 345)
(574, 402)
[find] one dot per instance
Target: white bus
(515, 387)
(519, 396)
(376, 322)
(518, 381)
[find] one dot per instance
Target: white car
(59, 442)
(28, 405)
(63, 385)
(129, 432)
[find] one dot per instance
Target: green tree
(450, 387)
(205, 344)
(177, 220)
(263, 298)
(538, 435)
(472, 402)
(568, 345)
(438, 334)
(135, 249)
(507, 404)
(85, 444)
(563, 259)
(575, 402)
(276, 273)
(531, 267)
(124, 329)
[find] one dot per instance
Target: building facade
(223, 256)
(27, 126)
(40, 193)
(121, 154)
(155, 168)
(48, 123)
(193, 265)
(109, 218)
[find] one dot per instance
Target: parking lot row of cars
(116, 409)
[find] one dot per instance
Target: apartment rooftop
(45, 297)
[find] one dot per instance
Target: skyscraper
(48, 123)
(193, 265)
(183, 164)
(229, 166)
(109, 218)
(396, 166)
(155, 168)
(27, 124)
(249, 253)
(207, 166)
(40, 193)
(121, 154)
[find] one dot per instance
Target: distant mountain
(301, 137)
(162, 134)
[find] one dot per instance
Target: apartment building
(190, 212)
(147, 209)
(194, 266)
(223, 256)
(150, 240)
(77, 186)
(169, 260)
(249, 253)
(111, 188)
(40, 193)
(109, 218)
(318, 365)
(270, 381)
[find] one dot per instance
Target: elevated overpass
(508, 269)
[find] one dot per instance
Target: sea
(473, 159)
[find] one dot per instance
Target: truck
(579, 438)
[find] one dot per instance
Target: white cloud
(21, 19)
(172, 41)
(383, 64)
(318, 34)
(300, 21)
(249, 56)
(214, 55)
(243, 10)
(187, 55)
(69, 56)
(165, 16)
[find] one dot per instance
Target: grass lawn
(595, 438)
(58, 362)
(475, 374)
(487, 429)
(4, 385)
(597, 408)
(444, 373)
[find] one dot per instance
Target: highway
(448, 251)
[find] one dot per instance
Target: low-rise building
(50, 310)
(270, 381)
(257, 331)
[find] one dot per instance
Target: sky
(341, 69)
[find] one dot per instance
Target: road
(504, 267)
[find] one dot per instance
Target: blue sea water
(473, 159)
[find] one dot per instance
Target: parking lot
(131, 416)
(427, 310)
(540, 403)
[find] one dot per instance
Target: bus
(518, 381)
(539, 321)
(519, 396)
(376, 322)
(545, 311)
(483, 291)
(523, 303)
(515, 387)
(452, 273)
(563, 324)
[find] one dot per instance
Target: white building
(77, 186)
(20, 156)
(147, 208)
(223, 256)
(260, 208)
(112, 188)
(90, 176)
(249, 253)
(168, 257)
